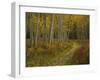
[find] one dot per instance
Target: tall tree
(60, 28)
(31, 31)
(69, 33)
(37, 29)
(45, 34)
(52, 28)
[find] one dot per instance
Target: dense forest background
(56, 39)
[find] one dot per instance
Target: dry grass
(57, 54)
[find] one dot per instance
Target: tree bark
(30, 30)
(37, 29)
(31, 34)
(60, 36)
(52, 28)
(45, 34)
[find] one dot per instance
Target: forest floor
(66, 53)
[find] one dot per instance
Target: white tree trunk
(52, 28)
(37, 29)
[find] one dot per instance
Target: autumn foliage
(56, 39)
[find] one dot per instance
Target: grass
(81, 55)
(58, 53)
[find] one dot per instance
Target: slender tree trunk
(60, 36)
(31, 35)
(69, 28)
(52, 28)
(45, 34)
(37, 29)
(30, 30)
